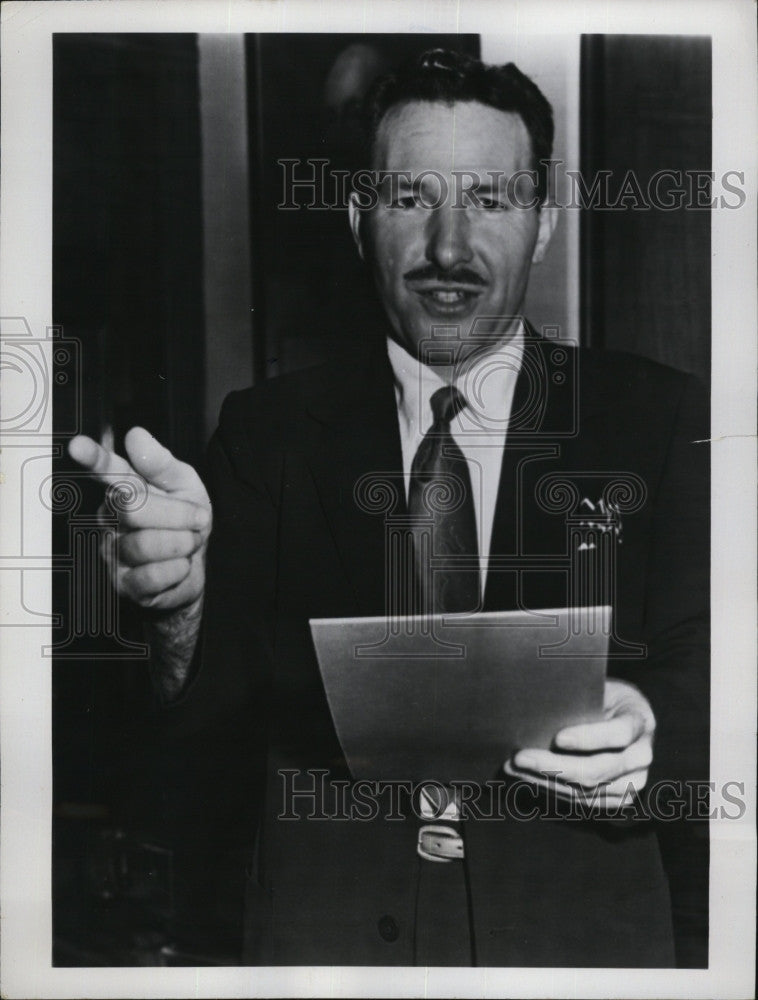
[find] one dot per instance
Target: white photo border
(25, 677)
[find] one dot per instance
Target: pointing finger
(157, 464)
(103, 464)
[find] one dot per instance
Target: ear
(548, 222)
(354, 215)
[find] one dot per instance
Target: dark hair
(447, 76)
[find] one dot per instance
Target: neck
(466, 353)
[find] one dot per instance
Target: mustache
(457, 276)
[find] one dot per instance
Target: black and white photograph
(378, 403)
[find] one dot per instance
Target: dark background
(646, 275)
(138, 877)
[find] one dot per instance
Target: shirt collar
(487, 384)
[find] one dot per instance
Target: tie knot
(446, 403)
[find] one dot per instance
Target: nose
(447, 237)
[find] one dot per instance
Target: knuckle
(129, 549)
(583, 782)
(179, 544)
(606, 768)
(137, 546)
(109, 553)
(155, 576)
(166, 544)
(191, 542)
(146, 578)
(155, 602)
(588, 777)
(128, 519)
(588, 784)
(115, 575)
(125, 586)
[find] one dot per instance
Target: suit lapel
(356, 465)
(545, 419)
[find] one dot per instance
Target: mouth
(446, 299)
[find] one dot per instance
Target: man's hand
(157, 558)
(605, 762)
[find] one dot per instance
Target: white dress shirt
(487, 384)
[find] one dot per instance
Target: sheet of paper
(451, 697)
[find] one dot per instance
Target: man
(462, 391)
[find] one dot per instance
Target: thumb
(156, 464)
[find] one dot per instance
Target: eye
(406, 201)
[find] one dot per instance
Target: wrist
(173, 637)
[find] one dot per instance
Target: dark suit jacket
(289, 543)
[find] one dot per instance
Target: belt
(439, 843)
(435, 841)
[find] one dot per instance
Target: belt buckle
(439, 843)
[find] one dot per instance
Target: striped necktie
(441, 506)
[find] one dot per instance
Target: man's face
(445, 263)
